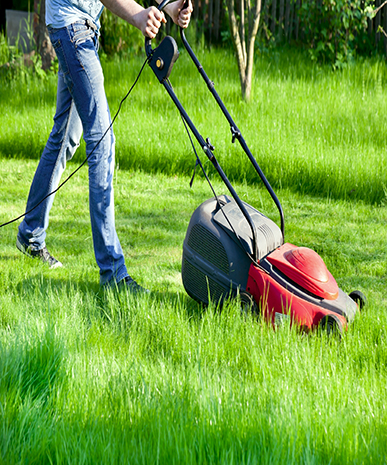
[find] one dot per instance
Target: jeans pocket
(54, 37)
(57, 44)
(81, 33)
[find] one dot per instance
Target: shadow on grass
(318, 181)
(103, 298)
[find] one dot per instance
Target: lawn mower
(231, 249)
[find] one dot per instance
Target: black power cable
(88, 156)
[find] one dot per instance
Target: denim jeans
(81, 105)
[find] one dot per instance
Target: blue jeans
(81, 105)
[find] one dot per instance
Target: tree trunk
(377, 22)
(244, 50)
(210, 14)
(291, 21)
(217, 19)
(236, 41)
(281, 19)
(297, 25)
(196, 9)
(385, 29)
(242, 29)
(266, 16)
(43, 43)
(266, 12)
(287, 20)
(205, 15)
(273, 16)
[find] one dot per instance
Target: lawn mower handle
(236, 134)
(161, 63)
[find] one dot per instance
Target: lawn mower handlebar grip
(163, 4)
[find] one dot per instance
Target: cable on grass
(88, 156)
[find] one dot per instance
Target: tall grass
(93, 377)
(88, 376)
(312, 130)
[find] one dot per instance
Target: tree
(371, 13)
(243, 33)
(42, 39)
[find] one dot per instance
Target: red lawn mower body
(305, 268)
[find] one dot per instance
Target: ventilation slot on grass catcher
(198, 285)
(209, 247)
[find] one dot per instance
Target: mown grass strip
(312, 130)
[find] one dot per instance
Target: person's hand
(149, 21)
(179, 16)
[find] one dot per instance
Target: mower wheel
(248, 304)
(331, 325)
(359, 298)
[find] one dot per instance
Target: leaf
(320, 46)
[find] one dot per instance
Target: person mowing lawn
(73, 26)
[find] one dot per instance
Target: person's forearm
(125, 9)
(149, 20)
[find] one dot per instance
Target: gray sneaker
(132, 287)
(43, 254)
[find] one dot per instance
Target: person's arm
(149, 20)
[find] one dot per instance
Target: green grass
(312, 130)
(88, 377)
(91, 377)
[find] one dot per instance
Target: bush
(119, 37)
(334, 28)
(14, 64)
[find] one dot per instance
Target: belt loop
(91, 24)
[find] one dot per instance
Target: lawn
(88, 376)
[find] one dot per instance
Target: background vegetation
(333, 31)
(88, 376)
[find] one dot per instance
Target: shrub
(119, 37)
(334, 28)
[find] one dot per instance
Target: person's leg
(76, 48)
(61, 145)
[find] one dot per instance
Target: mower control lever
(235, 134)
(163, 57)
(209, 145)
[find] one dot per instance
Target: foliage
(18, 66)
(118, 37)
(333, 29)
(11, 60)
(22, 5)
(4, 49)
